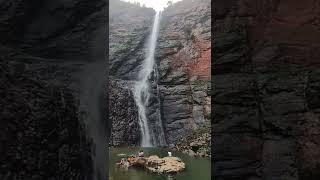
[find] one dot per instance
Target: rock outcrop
(123, 114)
(167, 165)
(196, 144)
(266, 90)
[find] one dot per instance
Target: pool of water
(196, 168)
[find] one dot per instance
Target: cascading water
(142, 90)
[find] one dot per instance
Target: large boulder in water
(172, 165)
(168, 165)
(165, 165)
(154, 161)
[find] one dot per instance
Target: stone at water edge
(189, 152)
(154, 161)
(172, 165)
(155, 164)
(165, 165)
(140, 162)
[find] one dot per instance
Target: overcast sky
(155, 4)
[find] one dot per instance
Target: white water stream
(142, 89)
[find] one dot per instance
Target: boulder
(154, 161)
(140, 162)
(189, 152)
(165, 165)
(170, 165)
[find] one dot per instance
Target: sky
(158, 5)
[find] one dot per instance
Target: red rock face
(194, 67)
(195, 55)
(202, 65)
(198, 67)
(184, 52)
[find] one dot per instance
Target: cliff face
(184, 55)
(45, 47)
(123, 114)
(129, 26)
(266, 90)
(180, 84)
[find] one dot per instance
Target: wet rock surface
(265, 72)
(130, 26)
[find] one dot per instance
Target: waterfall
(142, 90)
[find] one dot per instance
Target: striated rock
(183, 53)
(180, 84)
(129, 28)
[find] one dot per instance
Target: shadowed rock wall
(45, 47)
(266, 89)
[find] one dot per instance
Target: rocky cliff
(266, 90)
(129, 26)
(184, 61)
(180, 84)
(46, 49)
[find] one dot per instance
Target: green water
(196, 168)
